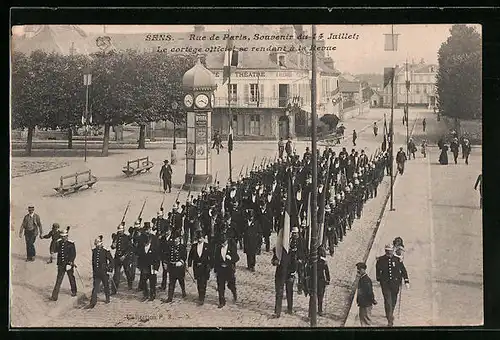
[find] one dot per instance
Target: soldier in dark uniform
(389, 272)
(329, 240)
(189, 222)
(288, 148)
(285, 274)
(251, 239)
(102, 264)
(323, 278)
(265, 220)
(177, 255)
(123, 257)
(66, 254)
(224, 263)
(149, 263)
(55, 234)
(199, 256)
(164, 242)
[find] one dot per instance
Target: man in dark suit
(149, 263)
(31, 227)
(122, 244)
(199, 256)
(251, 239)
(365, 298)
(166, 176)
(390, 272)
(102, 264)
(224, 263)
(323, 278)
(66, 254)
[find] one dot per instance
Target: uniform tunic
(66, 254)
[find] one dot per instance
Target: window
(234, 92)
(255, 124)
(281, 61)
(425, 89)
(417, 89)
(254, 93)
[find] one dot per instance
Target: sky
(364, 55)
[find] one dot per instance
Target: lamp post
(174, 108)
(87, 80)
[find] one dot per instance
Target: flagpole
(392, 126)
(229, 115)
(314, 216)
(407, 111)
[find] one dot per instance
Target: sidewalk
(412, 221)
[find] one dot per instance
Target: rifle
(241, 171)
(142, 209)
(162, 201)
(262, 162)
(206, 184)
(246, 171)
(253, 163)
(215, 180)
(189, 192)
(125, 213)
(179, 192)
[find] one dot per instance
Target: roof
(348, 86)
(418, 68)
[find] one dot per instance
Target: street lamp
(87, 81)
(174, 107)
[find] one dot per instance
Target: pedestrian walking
(289, 148)
(412, 148)
(102, 267)
(166, 176)
(365, 298)
(454, 146)
(390, 272)
(466, 149)
(55, 234)
(424, 124)
(281, 148)
(199, 256)
(354, 137)
(375, 129)
(400, 160)
(224, 264)
(479, 182)
(32, 227)
(443, 156)
(423, 148)
(66, 254)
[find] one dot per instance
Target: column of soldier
(206, 231)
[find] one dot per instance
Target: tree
(330, 120)
(459, 75)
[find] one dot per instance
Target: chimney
(287, 30)
(199, 29)
(329, 62)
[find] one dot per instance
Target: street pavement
(437, 215)
(98, 211)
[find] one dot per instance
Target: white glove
(178, 264)
(164, 266)
(407, 285)
(68, 267)
(153, 272)
(228, 257)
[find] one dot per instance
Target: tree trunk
(29, 142)
(105, 140)
(70, 138)
(142, 137)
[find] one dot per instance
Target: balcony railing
(262, 102)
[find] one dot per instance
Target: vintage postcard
(246, 176)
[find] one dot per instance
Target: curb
(370, 256)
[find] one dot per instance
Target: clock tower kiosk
(199, 85)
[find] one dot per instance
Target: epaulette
(70, 241)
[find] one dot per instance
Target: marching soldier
(199, 256)
(66, 254)
(149, 263)
(164, 242)
(176, 267)
(266, 223)
(123, 257)
(189, 222)
(330, 238)
(224, 264)
(389, 272)
(102, 264)
(55, 234)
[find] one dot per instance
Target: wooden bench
(82, 179)
(137, 166)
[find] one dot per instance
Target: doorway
(283, 95)
(283, 124)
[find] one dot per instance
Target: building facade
(422, 91)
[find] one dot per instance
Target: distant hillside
(371, 78)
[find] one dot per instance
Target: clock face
(202, 101)
(188, 100)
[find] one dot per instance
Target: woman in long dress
(443, 157)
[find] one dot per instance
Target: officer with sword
(102, 266)
(66, 254)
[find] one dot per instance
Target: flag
(290, 219)
(388, 75)
(230, 139)
(230, 60)
(391, 42)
